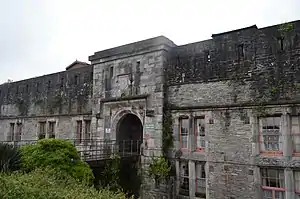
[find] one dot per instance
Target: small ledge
(127, 98)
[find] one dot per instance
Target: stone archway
(129, 127)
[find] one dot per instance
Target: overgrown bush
(50, 184)
(111, 174)
(159, 168)
(58, 154)
(9, 158)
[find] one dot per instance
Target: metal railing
(90, 150)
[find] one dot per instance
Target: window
(296, 133)
(49, 85)
(87, 130)
(281, 43)
(137, 67)
(271, 136)
(10, 135)
(37, 87)
(79, 132)
(111, 72)
(200, 133)
(184, 178)
(19, 132)
(273, 183)
(200, 180)
(297, 183)
(27, 88)
(240, 51)
(42, 130)
(51, 130)
(62, 82)
(76, 79)
(184, 132)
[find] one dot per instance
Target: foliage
(51, 184)
(9, 158)
(111, 173)
(58, 154)
(167, 138)
(159, 168)
(285, 28)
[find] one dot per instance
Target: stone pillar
(255, 136)
(191, 139)
(258, 183)
(177, 184)
(192, 178)
(289, 183)
(286, 136)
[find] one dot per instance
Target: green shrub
(159, 168)
(58, 154)
(9, 158)
(50, 184)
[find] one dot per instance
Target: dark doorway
(129, 136)
(130, 133)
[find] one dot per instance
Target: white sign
(107, 130)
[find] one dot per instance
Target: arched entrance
(129, 133)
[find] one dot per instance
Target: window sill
(296, 154)
(272, 153)
(200, 150)
(185, 150)
(273, 188)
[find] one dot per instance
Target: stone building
(234, 102)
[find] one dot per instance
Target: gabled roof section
(79, 63)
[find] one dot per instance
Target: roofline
(236, 30)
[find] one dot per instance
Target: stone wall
(226, 80)
(129, 79)
(61, 97)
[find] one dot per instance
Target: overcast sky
(44, 36)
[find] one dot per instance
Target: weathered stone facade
(229, 83)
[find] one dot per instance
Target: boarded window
(79, 132)
(87, 130)
(10, 135)
(51, 130)
(18, 134)
(42, 130)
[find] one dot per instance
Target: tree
(9, 158)
(58, 154)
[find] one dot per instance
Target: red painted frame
(196, 133)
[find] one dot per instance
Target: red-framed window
(200, 179)
(273, 183)
(297, 183)
(51, 130)
(184, 132)
(199, 128)
(271, 135)
(296, 135)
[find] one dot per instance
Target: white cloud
(40, 37)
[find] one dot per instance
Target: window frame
(199, 148)
(261, 139)
(279, 173)
(297, 191)
(49, 131)
(184, 178)
(44, 125)
(295, 135)
(200, 179)
(181, 118)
